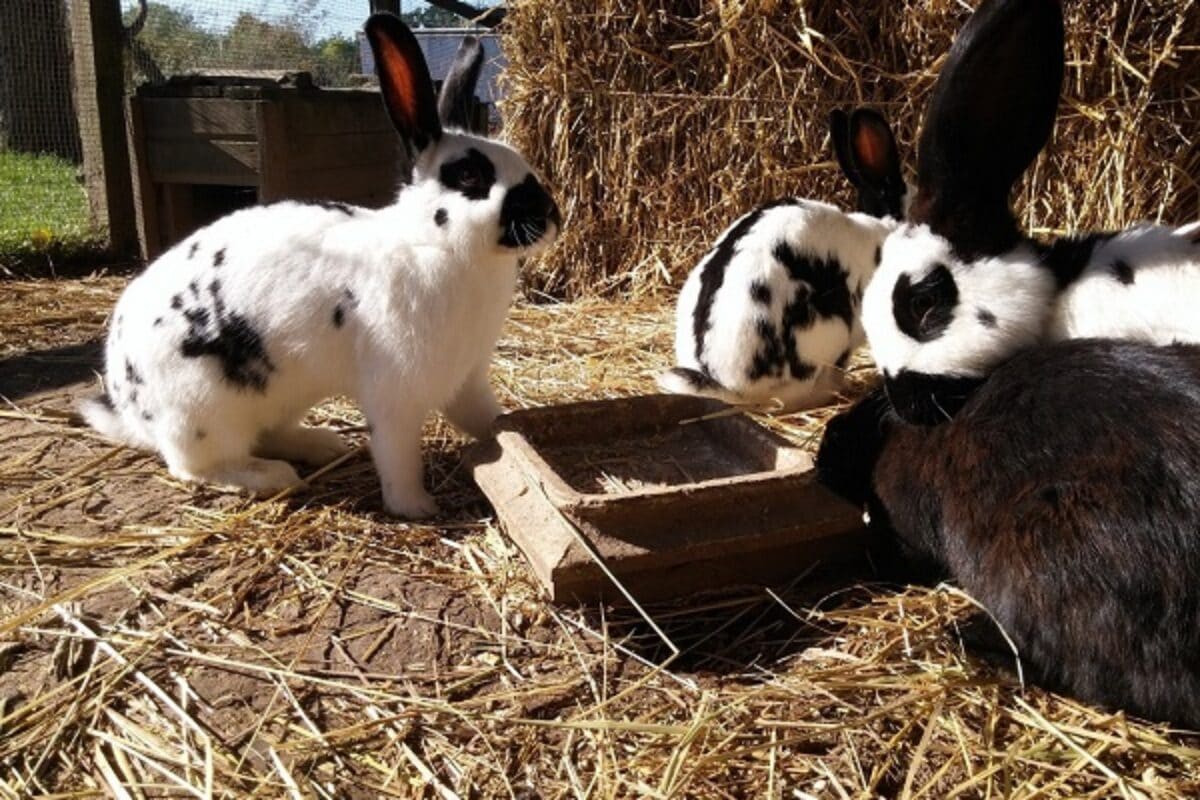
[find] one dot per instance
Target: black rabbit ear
(458, 90)
(992, 110)
(874, 148)
(839, 134)
(869, 158)
(404, 80)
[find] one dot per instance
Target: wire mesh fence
(44, 208)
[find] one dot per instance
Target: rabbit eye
(921, 304)
(923, 310)
(473, 175)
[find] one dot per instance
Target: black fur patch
(1078, 530)
(878, 254)
(472, 175)
(923, 310)
(219, 257)
(333, 205)
(769, 357)
(986, 318)
(696, 379)
(177, 302)
(158, 321)
(1123, 272)
(826, 294)
(526, 213)
(105, 400)
(229, 337)
(1067, 257)
(147, 416)
(192, 250)
(712, 274)
(923, 399)
(132, 375)
(347, 302)
(760, 293)
(440, 217)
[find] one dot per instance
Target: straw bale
(660, 121)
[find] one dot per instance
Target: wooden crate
(669, 494)
(205, 145)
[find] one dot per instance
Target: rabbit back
(272, 309)
(774, 305)
(1142, 283)
(1077, 530)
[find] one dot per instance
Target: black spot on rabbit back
(1067, 257)
(1123, 272)
(760, 293)
(440, 217)
(345, 303)
(825, 293)
(229, 337)
(473, 175)
(340, 207)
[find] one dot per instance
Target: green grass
(43, 210)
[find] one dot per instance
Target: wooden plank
(337, 111)
(170, 117)
(203, 161)
(144, 195)
(346, 150)
(369, 182)
(99, 101)
(273, 178)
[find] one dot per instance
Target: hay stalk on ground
(158, 639)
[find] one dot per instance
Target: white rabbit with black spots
(771, 314)
(221, 346)
(960, 288)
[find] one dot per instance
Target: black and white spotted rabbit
(771, 313)
(216, 352)
(959, 288)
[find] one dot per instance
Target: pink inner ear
(401, 87)
(871, 149)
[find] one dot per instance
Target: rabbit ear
(992, 110)
(404, 80)
(868, 155)
(874, 149)
(839, 134)
(458, 90)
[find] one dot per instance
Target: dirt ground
(162, 639)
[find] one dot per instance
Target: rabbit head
(477, 192)
(958, 288)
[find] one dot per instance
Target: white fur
(1012, 287)
(1159, 307)
(428, 304)
(733, 340)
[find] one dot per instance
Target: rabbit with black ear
(1065, 498)
(219, 348)
(959, 288)
(771, 313)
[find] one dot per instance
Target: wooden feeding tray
(673, 494)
